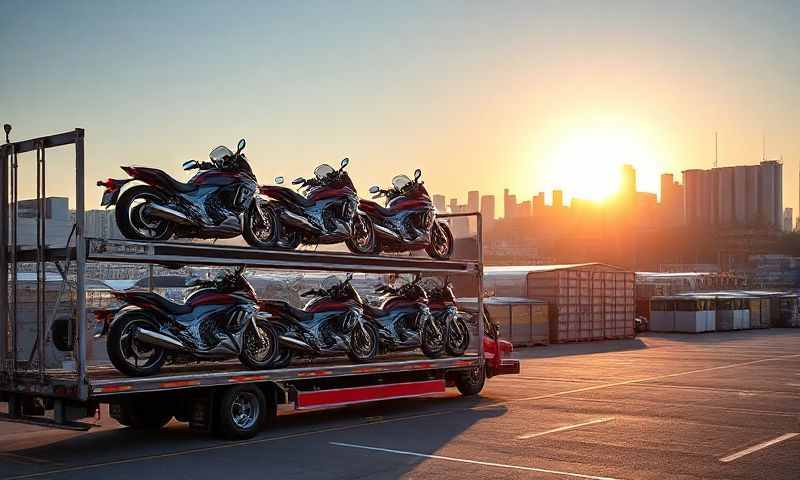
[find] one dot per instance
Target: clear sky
(480, 95)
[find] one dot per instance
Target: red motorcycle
(325, 213)
(219, 320)
(408, 222)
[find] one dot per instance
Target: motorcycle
(408, 222)
(406, 321)
(325, 213)
(210, 205)
(332, 323)
(219, 320)
(444, 309)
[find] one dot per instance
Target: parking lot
(719, 405)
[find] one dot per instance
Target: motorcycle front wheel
(261, 230)
(130, 356)
(457, 340)
(132, 219)
(432, 340)
(363, 343)
(285, 354)
(363, 241)
(441, 246)
(260, 347)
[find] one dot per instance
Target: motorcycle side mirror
(417, 174)
(374, 189)
(298, 181)
(240, 146)
(279, 180)
(191, 164)
(345, 162)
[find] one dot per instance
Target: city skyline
(523, 96)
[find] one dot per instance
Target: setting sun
(586, 161)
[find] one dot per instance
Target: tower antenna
(716, 149)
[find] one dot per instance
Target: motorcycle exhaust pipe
(385, 232)
(166, 213)
(159, 340)
(296, 220)
(293, 342)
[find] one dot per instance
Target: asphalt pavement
(718, 405)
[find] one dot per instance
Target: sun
(586, 162)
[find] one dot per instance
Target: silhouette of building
(487, 209)
(671, 201)
(742, 196)
(787, 219)
(56, 217)
(558, 199)
(509, 204)
(439, 203)
(473, 200)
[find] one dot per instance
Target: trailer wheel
(471, 383)
(142, 415)
(242, 411)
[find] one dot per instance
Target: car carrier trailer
(218, 397)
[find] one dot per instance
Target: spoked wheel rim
(363, 234)
(457, 337)
(137, 354)
(259, 346)
(245, 410)
(363, 343)
(433, 338)
(440, 241)
(148, 226)
(263, 230)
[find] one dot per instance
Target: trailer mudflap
(348, 396)
(508, 366)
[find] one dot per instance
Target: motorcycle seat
(164, 304)
(370, 206)
(292, 196)
(180, 186)
(297, 313)
(163, 178)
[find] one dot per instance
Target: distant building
(671, 201)
(509, 204)
(57, 221)
(524, 209)
(787, 219)
(628, 181)
(473, 200)
(439, 202)
(741, 196)
(101, 224)
(487, 208)
(558, 199)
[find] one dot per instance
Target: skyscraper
(558, 199)
(439, 203)
(487, 208)
(473, 200)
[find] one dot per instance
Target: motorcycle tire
(120, 346)
(456, 345)
(431, 343)
(259, 361)
(369, 243)
(284, 356)
(253, 234)
(440, 251)
(131, 224)
(371, 344)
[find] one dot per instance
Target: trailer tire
(143, 415)
(242, 411)
(471, 383)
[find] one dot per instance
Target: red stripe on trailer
(315, 373)
(344, 396)
(180, 383)
(113, 388)
(248, 378)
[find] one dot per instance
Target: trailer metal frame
(75, 392)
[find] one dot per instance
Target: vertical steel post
(4, 151)
(12, 311)
(80, 262)
(481, 333)
(43, 263)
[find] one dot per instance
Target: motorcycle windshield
(399, 182)
(219, 153)
(323, 171)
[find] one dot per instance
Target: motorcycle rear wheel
(441, 246)
(255, 354)
(132, 222)
(284, 357)
(363, 349)
(457, 340)
(124, 350)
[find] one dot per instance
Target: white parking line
(565, 428)
(758, 447)
(473, 462)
